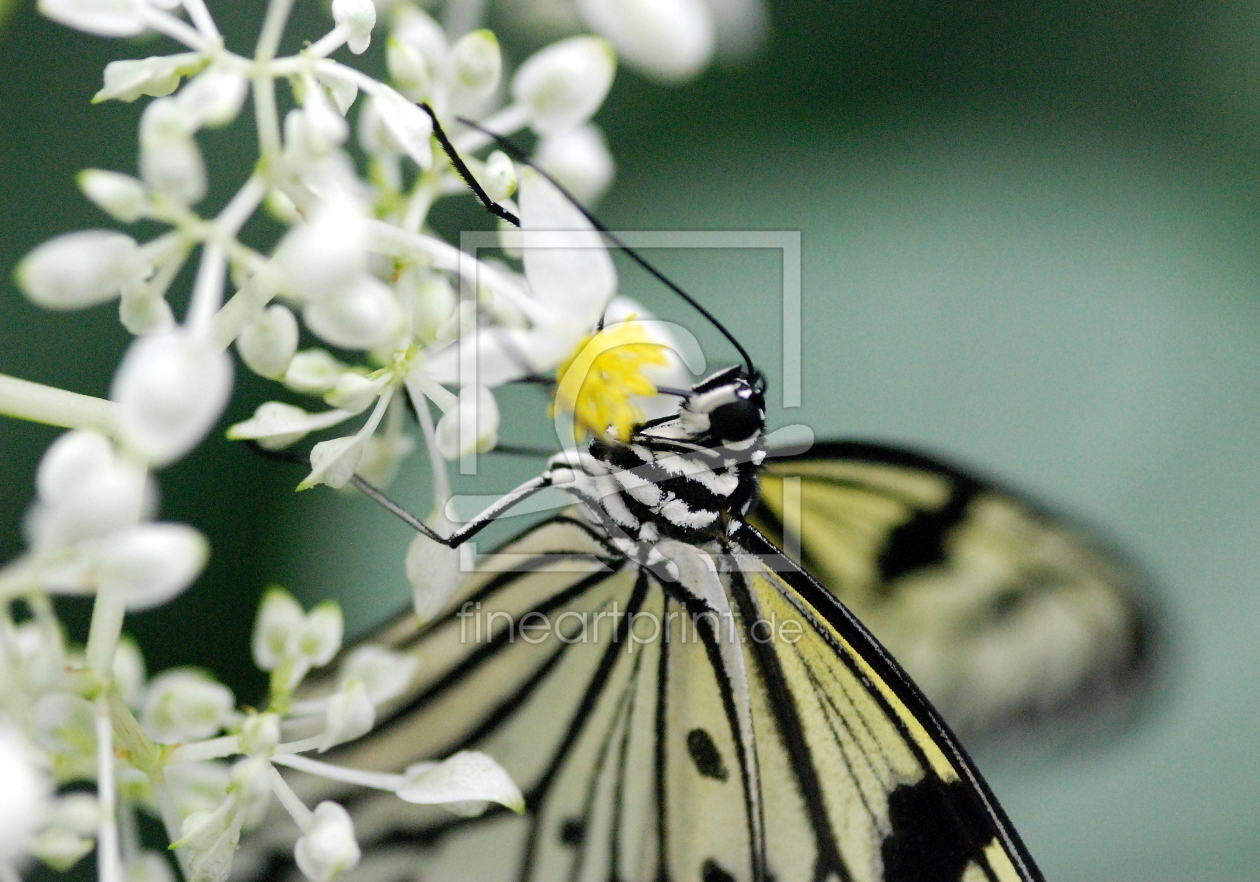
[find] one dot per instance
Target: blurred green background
(1031, 241)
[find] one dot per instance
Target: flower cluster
(349, 169)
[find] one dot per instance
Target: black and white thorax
(690, 477)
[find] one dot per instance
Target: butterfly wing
(1003, 613)
(654, 738)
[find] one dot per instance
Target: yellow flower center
(598, 380)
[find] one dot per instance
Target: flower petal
(80, 269)
(466, 776)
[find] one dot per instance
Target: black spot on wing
(705, 754)
(711, 872)
(937, 830)
(920, 541)
(572, 831)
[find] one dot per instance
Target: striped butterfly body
(676, 698)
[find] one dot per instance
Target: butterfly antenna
(464, 172)
(519, 155)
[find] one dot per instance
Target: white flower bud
(358, 17)
(355, 392)
(333, 462)
(433, 571)
(328, 847)
(409, 127)
(415, 51)
(118, 195)
(313, 372)
(471, 426)
(276, 425)
(150, 564)
(25, 797)
(130, 78)
(326, 255)
(384, 674)
(260, 733)
(170, 161)
(476, 64)
(348, 715)
(668, 40)
(363, 315)
(321, 633)
(80, 269)
(268, 343)
(565, 83)
(185, 705)
(214, 97)
(170, 389)
(211, 838)
(83, 494)
(75, 457)
(468, 776)
(323, 128)
(252, 788)
(342, 92)
(280, 619)
(70, 832)
(143, 312)
(579, 160)
(499, 177)
(105, 18)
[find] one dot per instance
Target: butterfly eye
(736, 420)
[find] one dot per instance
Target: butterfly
(1012, 619)
(676, 697)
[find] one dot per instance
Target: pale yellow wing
(1003, 613)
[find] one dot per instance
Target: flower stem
(108, 856)
(375, 780)
(56, 407)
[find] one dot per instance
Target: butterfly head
(728, 408)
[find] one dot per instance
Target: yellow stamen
(598, 380)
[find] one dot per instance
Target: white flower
(149, 564)
(268, 343)
(348, 715)
(410, 129)
(276, 629)
(358, 17)
(276, 425)
(580, 160)
(81, 269)
(571, 280)
(260, 733)
(363, 315)
(433, 571)
(170, 389)
(25, 798)
(476, 65)
(465, 782)
(668, 40)
(121, 196)
(170, 160)
(326, 255)
(184, 704)
(499, 176)
(86, 491)
(472, 426)
(415, 52)
(565, 83)
(384, 673)
(313, 372)
(70, 832)
(105, 18)
(156, 76)
(328, 847)
(214, 97)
